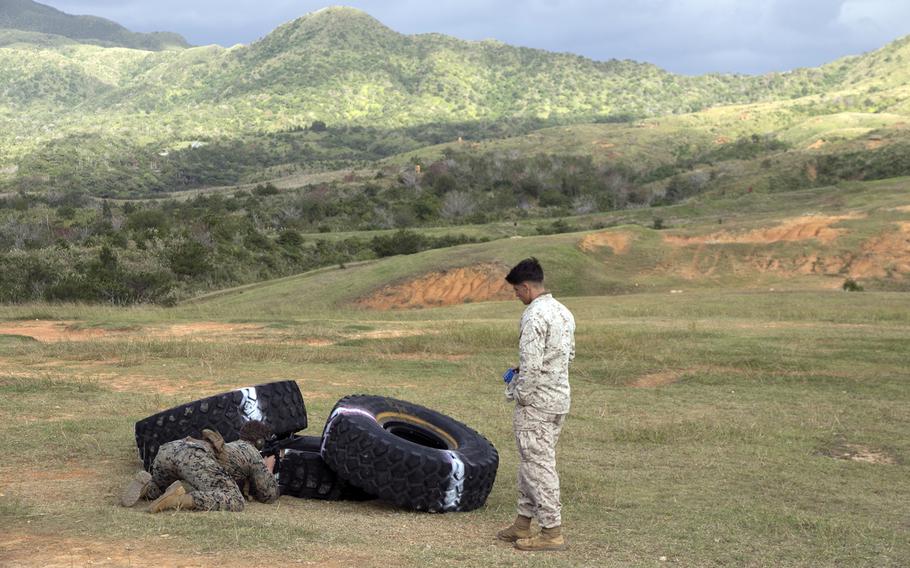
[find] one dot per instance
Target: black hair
(528, 270)
(256, 433)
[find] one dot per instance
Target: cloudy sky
(684, 36)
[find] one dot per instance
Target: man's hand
(270, 463)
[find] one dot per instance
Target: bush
(399, 242)
(265, 190)
(189, 259)
(290, 237)
(851, 285)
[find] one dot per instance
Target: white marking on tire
(331, 421)
(456, 484)
(249, 406)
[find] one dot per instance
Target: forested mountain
(28, 16)
(132, 122)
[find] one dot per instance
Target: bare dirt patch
(619, 242)
(655, 380)
(816, 145)
(859, 453)
(874, 144)
(149, 383)
(803, 228)
(51, 331)
(811, 172)
(21, 549)
(885, 255)
(206, 329)
(423, 357)
(479, 283)
(47, 331)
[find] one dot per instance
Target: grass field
(712, 428)
(727, 410)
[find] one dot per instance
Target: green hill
(29, 16)
(814, 240)
(381, 93)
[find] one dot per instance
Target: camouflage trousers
(210, 486)
(536, 433)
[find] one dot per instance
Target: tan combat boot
(520, 528)
(548, 539)
(137, 489)
(174, 497)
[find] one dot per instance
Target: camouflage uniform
(214, 484)
(542, 396)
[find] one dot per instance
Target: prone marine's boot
(548, 539)
(520, 528)
(137, 489)
(174, 497)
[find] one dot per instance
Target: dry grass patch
(654, 380)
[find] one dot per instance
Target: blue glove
(509, 375)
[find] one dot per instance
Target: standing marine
(540, 389)
(218, 474)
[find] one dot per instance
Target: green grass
(729, 465)
(730, 462)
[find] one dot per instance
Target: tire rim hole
(416, 435)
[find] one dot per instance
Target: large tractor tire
(303, 473)
(279, 404)
(409, 455)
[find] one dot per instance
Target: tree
(189, 259)
(457, 204)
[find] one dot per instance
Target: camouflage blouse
(245, 463)
(545, 348)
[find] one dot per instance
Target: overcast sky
(684, 36)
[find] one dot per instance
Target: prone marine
(214, 471)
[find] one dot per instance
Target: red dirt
(811, 172)
(617, 241)
(479, 283)
(50, 331)
(796, 229)
(885, 255)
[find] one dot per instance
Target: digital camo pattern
(213, 483)
(536, 433)
(243, 463)
(545, 347)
